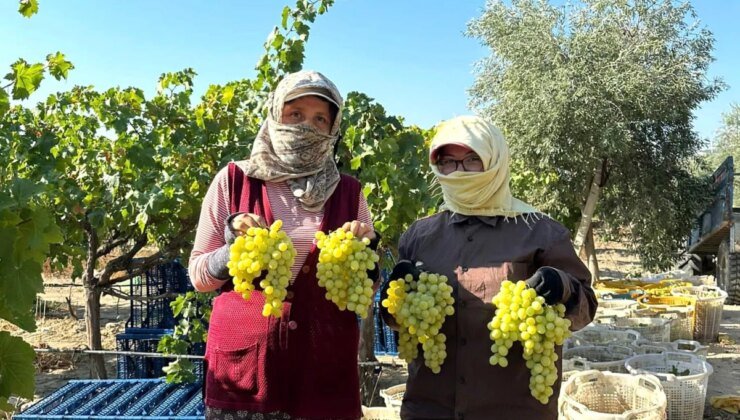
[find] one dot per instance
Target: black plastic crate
(386, 340)
(167, 278)
(141, 367)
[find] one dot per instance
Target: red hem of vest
(263, 408)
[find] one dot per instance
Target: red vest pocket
(234, 372)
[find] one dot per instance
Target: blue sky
(410, 55)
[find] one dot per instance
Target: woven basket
(683, 346)
(653, 329)
(604, 358)
(650, 347)
(393, 396)
(687, 391)
(681, 309)
(601, 335)
(380, 413)
(709, 304)
(693, 347)
(598, 395)
(617, 304)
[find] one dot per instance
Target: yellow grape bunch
(420, 307)
(259, 250)
(342, 270)
(523, 316)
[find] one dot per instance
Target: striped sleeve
(210, 233)
(363, 212)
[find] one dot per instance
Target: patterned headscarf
(298, 153)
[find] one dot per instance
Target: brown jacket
(477, 254)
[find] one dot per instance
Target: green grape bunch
(523, 316)
(344, 261)
(259, 250)
(420, 308)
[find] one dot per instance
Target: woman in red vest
(302, 365)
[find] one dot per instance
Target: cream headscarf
(484, 193)
(298, 153)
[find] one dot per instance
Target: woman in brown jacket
(481, 237)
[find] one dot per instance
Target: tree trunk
(92, 305)
(92, 322)
(590, 250)
(590, 207)
(367, 354)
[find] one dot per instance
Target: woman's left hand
(359, 229)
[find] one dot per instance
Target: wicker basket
(605, 358)
(687, 391)
(380, 413)
(617, 304)
(650, 347)
(684, 346)
(393, 396)
(709, 304)
(681, 309)
(654, 329)
(610, 308)
(618, 289)
(693, 347)
(612, 396)
(601, 335)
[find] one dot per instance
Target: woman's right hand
(236, 225)
(243, 221)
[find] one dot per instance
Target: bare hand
(359, 230)
(244, 221)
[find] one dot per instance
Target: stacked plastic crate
(152, 319)
(386, 340)
(120, 399)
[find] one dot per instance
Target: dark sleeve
(578, 296)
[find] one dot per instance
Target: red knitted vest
(304, 363)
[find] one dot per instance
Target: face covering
(484, 193)
(297, 153)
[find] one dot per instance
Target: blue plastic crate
(141, 367)
(386, 340)
(166, 278)
(379, 341)
(391, 340)
(120, 399)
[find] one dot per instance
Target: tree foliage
(601, 82)
(27, 229)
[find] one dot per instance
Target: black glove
(548, 284)
(217, 260)
(374, 274)
(405, 267)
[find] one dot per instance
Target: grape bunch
(259, 250)
(523, 316)
(342, 270)
(420, 307)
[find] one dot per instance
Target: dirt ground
(58, 330)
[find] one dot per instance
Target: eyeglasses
(469, 164)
